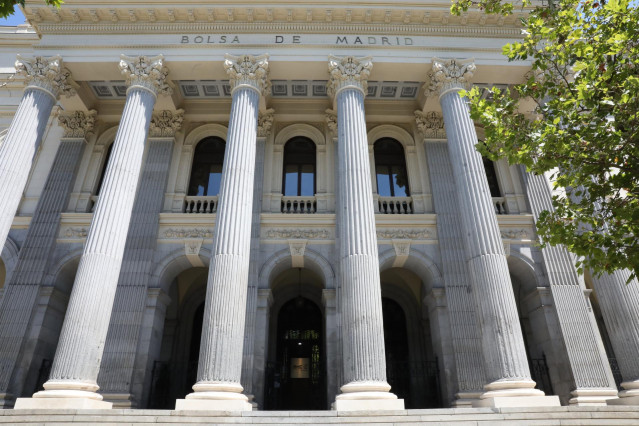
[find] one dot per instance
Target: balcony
(500, 205)
(200, 204)
(299, 204)
(395, 205)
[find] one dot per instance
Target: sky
(16, 19)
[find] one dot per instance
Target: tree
(583, 129)
(6, 6)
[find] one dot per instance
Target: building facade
(280, 206)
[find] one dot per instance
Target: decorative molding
(331, 121)
(48, 74)
(181, 233)
(192, 247)
(515, 234)
(297, 248)
(402, 251)
(406, 234)
(248, 71)
(450, 74)
(77, 124)
(430, 124)
(166, 123)
(283, 233)
(348, 72)
(265, 122)
(72, 232)
(146, 72)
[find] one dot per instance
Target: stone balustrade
(200, 204)
(299, 204)
(395, 205)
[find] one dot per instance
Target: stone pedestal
(77, 360)
(361, 300)
(220, 366)
(506, 366)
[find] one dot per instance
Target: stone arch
(282, 260)
(300, 129)
(525, 269)
(417, 262)
(64, 267)
(171, 265)
(390, 131)
(9, 258)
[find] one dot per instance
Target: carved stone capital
(47, 74)
(430, 124)
(450, 74)
(166, 123)
(77, 124)
(149, 73)
(248, 71)
(348, 72)
(331, 120)
(265, 122)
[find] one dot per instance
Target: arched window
(206, 172)
(299, 168)
(390, 168)
(104, 167)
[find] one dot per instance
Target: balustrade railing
(200, 204)
(500, 205)
(299, 204)
(395, 205)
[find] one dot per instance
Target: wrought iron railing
(541, 376)
(416, 382)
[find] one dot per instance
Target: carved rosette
(348, 72)
(77, 124)
(248, 71)
(265, 122)
(331, 120)
(430, 124)
(450, 74)
(165, 124)
(149, 73)
(48, 74)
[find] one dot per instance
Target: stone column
(46, 79)
(619, 302)
(220, 366)
(117, 367)
(364, 361)
(506, 366)
(72, 383)
(22, 289)
(588, 365)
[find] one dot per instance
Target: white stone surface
(518, 401)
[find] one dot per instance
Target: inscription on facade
(299, 39)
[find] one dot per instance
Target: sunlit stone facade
(281, 206)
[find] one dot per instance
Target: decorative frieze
(331, 121)
(430, 124)
(77, 124)
(265, 122)
(73, 232)
(147, 72)
(181, 233)
(248, 71)
(308, 234)
(450, 74)
(515, 234)
(46, 73)
(348, 72)
(407, 234)
(166, 123)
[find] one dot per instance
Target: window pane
(215, 177)
(399, 181)
(290, 180)
(383, 182)
(308, 180)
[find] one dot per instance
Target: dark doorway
(296, 380)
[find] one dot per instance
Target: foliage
(583, 129)
(6, 6)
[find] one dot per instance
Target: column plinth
(46, 79)
(220, 365)
(364, 360)
(506, 366)
(73, 379)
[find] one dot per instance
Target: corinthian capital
(450, 74)
(166, 123)
(77, 124)
(348, 72)
(47, 74)
(265, 122)
(146, 72)
(248, 71)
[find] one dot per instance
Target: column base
(515, 393)
(65, 394)
(119, 400)
(215, 396)
(367, 396)
(628, 396)
(591, 397)
(466, 399)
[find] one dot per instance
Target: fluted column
(21, 292)
(46, 79)
(361, 300)
(588, 365)
(117, 370)
(220, 364)
(72, 383)
(506, 366)
(619, 304)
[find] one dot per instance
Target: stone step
(624, 415)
